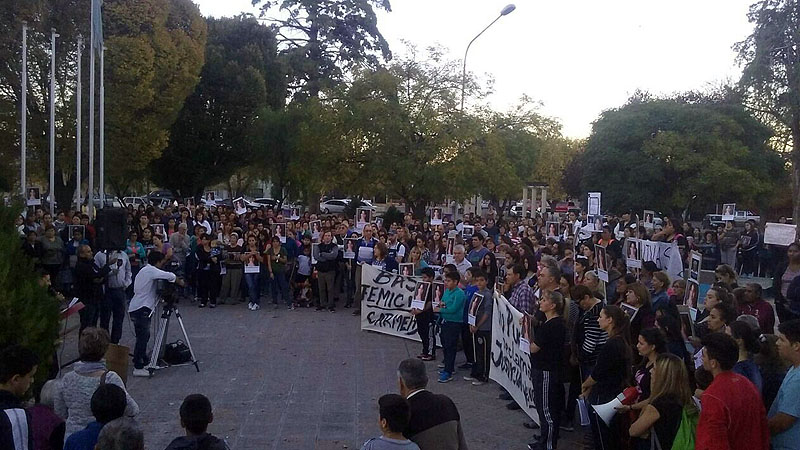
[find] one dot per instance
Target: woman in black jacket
(782, 281)
(610, 375)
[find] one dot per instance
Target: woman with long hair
(670, 394)
(610, 375)
(727, 276)
(489, 266)
(748, 343)
(651, 343)
(415, 258)
(671, 326)
(783, 279)
(748, 244)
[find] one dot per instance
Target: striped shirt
(588, 335)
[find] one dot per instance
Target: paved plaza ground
(302, 379)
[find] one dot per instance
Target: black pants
(466, 341)
(89, 315)
(426, 327)
(548, 396)
(141, 327)
(483, 353)
(208, 284)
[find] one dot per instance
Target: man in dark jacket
(17, 367)
(89, 281)
(435, 423)
(196, 414)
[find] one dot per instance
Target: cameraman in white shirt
(143, 303)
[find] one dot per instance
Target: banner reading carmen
(386, 305)
(510, 366)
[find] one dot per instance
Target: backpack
(684, 438)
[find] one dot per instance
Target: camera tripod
(161, 335)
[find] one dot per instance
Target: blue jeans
(252, 281)
(449, 333)
(141, 327)
(280, 287)
(113, 310)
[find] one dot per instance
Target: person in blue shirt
(108, 403)
(784, 426)
(451, 310)
(466, 336)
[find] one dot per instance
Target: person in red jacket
(732, 415)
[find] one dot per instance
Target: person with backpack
(670, 417)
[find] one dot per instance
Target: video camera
(166, 292)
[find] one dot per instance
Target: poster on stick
(510, 367)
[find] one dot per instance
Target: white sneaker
(250, 306)
(141, 373)
(256, 307)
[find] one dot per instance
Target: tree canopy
(659, 153)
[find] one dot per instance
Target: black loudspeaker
(111, 228)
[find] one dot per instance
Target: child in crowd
(482, 330)
(17, 367)
(108, 403)
(302, 280)
(394, 415)
(426, 326)
(469, 287)
(196, 414)
(451, 310)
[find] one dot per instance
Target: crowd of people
(589, 339)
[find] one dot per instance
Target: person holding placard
(425, 319)
(481, 329)
(364, 255)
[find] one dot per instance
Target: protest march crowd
(599, 320)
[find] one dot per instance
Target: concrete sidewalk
(302, 379)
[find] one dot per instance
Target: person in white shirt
(143, 303)
(118, 280)
(459, 260)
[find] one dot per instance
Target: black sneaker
(201, 305)
(466, 365)
(332, 309)
(319, 308)
(531, 425)
(213, 305)
(356, 312)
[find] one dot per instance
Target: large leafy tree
(771, 76)
(208, 143)
(156, 49)
(323, 39)
(68, 18)
(658, 154)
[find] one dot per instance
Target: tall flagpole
(78, 130)
(24, 113)
(90, 193)
(102, 131)
(52, 199)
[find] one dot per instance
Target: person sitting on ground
(121, 434)
(77, 387)
(435, 423)
(108, 403)
(17, 367)
(394, 414)
(48, 428)
(196, 414)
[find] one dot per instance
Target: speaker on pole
(111, 228)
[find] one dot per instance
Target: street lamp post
(504, 12)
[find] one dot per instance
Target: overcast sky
(577, 57)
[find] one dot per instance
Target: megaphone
(607, 411)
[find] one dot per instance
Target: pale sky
(578, 57)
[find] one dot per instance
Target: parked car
(365, 204)
(334, 206)
(135, 201)
(110, 201)
(266, 201)
(161, 194)
(740, 217)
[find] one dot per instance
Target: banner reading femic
(386, 305)
(510, 367)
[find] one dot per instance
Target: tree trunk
(796, 177)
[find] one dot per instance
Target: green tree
(657, 154)
(29, 316)
(155, 51)
(208, 142)
(323, 39)
(771, 77)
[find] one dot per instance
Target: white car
(135, 201)
(334, 206)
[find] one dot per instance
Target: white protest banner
(510, 366)
(666, 255)
(779, 233)
(386, 307)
